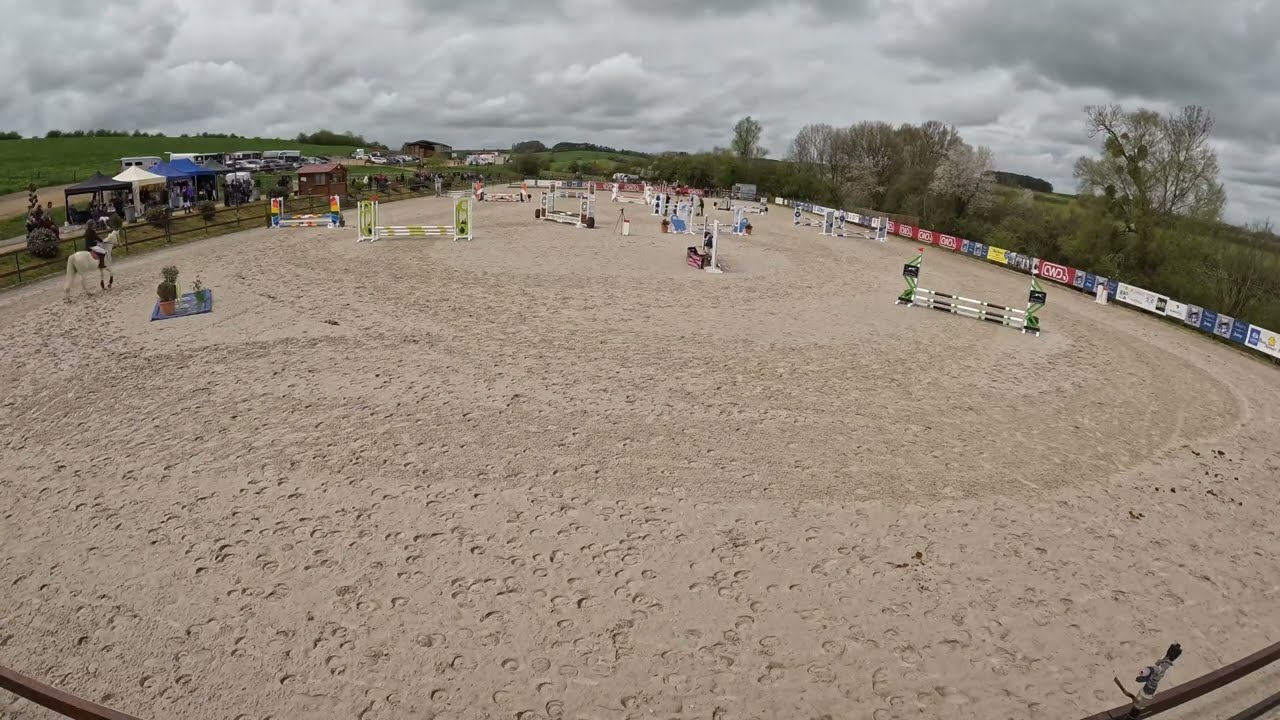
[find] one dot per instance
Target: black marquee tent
(95, 185)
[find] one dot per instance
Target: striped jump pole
(1028, 320)
(370, 231)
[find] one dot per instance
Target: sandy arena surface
(556, 473)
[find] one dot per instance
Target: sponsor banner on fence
(995, 254)
(1222, 328)
(949, 242)
(906, 231)
(977, 249)
(1137, 297)
(925, 236)
(1208, 320)
(1240, 331)
(1057, 273)
(1194, 313)
(1018, 261)
(1175, 309)
(1263, 340)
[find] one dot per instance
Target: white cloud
(664, 74)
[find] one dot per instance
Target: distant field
(560, 161)
(56, 161)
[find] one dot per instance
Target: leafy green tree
(746, 139)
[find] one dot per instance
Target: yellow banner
(995, 254)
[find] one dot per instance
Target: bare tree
(966, 176)
(1153, 165)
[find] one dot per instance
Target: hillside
(594, 162)
(56, 161)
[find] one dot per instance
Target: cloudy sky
(653, 74)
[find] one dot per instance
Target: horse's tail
(71, 273)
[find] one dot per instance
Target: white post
(715, 248)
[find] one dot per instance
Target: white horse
(83, 262)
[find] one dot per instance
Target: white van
(142, 161)
(360, 154)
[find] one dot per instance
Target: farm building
(425, 149)
(324, 180)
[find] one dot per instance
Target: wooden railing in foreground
(1204, 685)
(55, 699)
(79, 709)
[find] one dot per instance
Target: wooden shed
(323, 180)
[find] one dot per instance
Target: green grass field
(604, 162)
(56, 161)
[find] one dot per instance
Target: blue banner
(1240, 332)
(1090, 281)
(1112, 286)
(1208, 320)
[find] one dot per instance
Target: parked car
(377, 160)
(250, 165)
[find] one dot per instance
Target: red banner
(1057, 273)
(906, 231)
(950, 243)
(891, 226)
(925, 236)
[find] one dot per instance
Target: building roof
(427, 142)
(321, 168)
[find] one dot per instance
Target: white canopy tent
(138, 178)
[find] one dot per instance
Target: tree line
(1148, 210)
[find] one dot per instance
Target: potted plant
(167, 290)
(748, 228)
(665, 224)
(198, 289)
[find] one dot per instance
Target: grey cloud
(657, 75)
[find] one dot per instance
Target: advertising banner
(1057, 273)
(1018, 261)
(1137, 297)
(1194, 313)
(978, 250)
(1176, 309)
(1240, 331)
(1222, 328)
(995, 254)
(925, 236)
(1208, 320)
(949, 242)
(1263, 340)
(906, 231)
(892, 227)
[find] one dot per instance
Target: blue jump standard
(185, 306)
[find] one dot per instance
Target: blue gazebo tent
(169, 172)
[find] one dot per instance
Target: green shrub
(42, 243)
(158, 216)
(208, 210)
(167, 290)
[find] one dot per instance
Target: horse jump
(330, 219)
(370, 231)
(682, 218)
(697, 258)
(617, 196)
(584, 216)
(1026, 320)
(486, 196)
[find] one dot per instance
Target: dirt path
(16, 203)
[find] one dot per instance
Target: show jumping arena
(555, 474)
